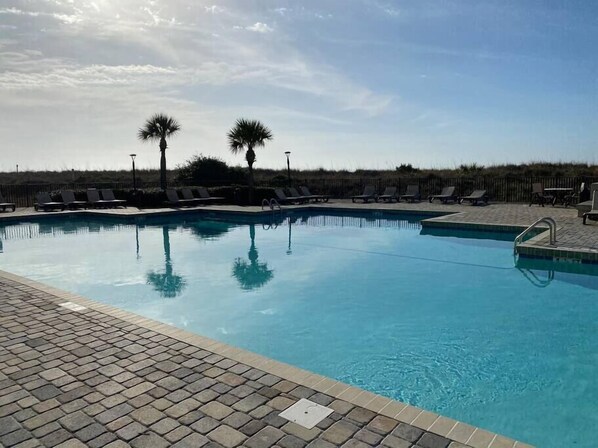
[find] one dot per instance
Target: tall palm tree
(245, 136)
(166, 282)
(159, 127)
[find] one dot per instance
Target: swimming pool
(440, 319)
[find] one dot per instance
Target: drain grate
(72, 306)
(306, 413)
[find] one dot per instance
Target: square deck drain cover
(72, 306)
(306, 413)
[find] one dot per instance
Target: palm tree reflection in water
(253, 274)
(166, 282)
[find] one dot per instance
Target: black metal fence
(500, 189)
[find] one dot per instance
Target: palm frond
(246, 134)
(157, 127)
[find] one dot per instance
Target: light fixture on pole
(134, 178)
(288, 153)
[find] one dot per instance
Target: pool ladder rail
(551, 227)
(272, 204)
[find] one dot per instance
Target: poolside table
(559, 195)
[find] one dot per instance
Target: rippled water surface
(442, 320)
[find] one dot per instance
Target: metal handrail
(274, 204)
(551, 227)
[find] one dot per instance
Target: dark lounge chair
(593, 213)
(284, 199)
(316, 197)
(411, 193)
(188, 196)
(108, 196)
(369, 192)
(45, 203)
(475, 197)
(174, 200)
(93, 198)
(68, 197)
(4, 204)
(206, 197)
(296, 194)
(389, 194)
(539, 196)
(447, 194)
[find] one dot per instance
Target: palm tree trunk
(250, 185)
(163, 169)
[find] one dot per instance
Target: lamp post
(288, 153)
(134, 178)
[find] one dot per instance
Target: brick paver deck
(89, 378)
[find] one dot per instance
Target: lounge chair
(93, 198)
(475, 197)
(108, 195)
(174, 200)
(206, 197)
(369, 192)
(4, 204)
(539, 197)
(45, 203)
(188, 196)
(316, 197)
(389, 194)
(411, 194)
(296, 194)
(593, 213)
(68, 197)
(284, 199)
(447, 194)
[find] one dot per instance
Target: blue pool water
(442, 320)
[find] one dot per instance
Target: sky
(342, 84)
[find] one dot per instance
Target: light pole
(134, 178)
(288, 153)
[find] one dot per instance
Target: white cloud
(259, 27)
(214, 9)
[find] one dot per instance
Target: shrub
(205, 170)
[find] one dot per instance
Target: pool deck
(101, 376)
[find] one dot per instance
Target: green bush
(205, 170)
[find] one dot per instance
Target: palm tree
(254, 274)
(246, 135)
(158, 128)
(166, 282)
